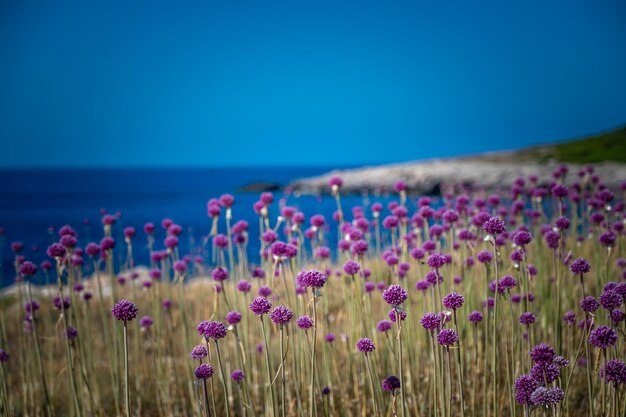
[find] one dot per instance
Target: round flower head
(383, 326)
(394, 295)
(264, 291)
(430, 321)
(28, 269)
(610, 300)
(447, 337)
(311, 278)
(542, 353)
(453, 301)
(475, 316)
(124, 310)
(391, 383)
(4, 357)
(351, 267)
(329, 338)
(204, 371)
(212, 330)
(326, 391)
(237, 375)
(589, 304)
(545, 397)
(260, 306)
(614, 372)
(244, 286)
(233, 317)
(199, 352)
(281, 315)
(71, 333)
(304, 322)
(494, 226)
(219, 274)
(507, 282)
(545, 372)
(394, 314)
(485, 257)
(145, 322)
(56, 251)
(524, 386)
(580, 266)
(527, 318)
(603, 337)
(436, 261)
(365, 345)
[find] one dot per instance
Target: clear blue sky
(302, 82)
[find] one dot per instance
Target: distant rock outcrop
(490, 172)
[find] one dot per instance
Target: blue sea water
(34, 204)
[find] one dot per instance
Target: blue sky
(211, 83)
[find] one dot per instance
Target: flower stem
(126, 376)
(219, 360)
(269, 368)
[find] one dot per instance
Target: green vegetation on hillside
(609, 146)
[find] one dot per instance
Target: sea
(35, 203)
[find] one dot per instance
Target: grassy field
(475, 360)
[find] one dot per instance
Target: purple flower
(393, 313)
(453, 301)
(212, 329)
(145, 322)
(124, 310)
(430, 321)
(260, 306)
(522, 238)
(475, 316)
(485, 257)
(614, 371)
(391, 383)
(542, 353)
(304, 322)
(545, 397)
(311, 278)
(237, 375)
(603, 337)
(4, 357)
(610, 300)
(244, 286)
(365, 345)
(527, 318)
(524, 386)
(436, 261)
(71, 333)
(383, 326)
(545, 372)
(569, 318)
(28, 269)
(351, 267)
(507, 282)
(394, 295)
(264, 291)
(56, 251)
(204, 371)
(219, 274)
(447, 337)
(589, 304)
(580, 266)
(199, 352)
(329, 338)
(107, 244)
(233, 317)
(281, 315)
(494, 226)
